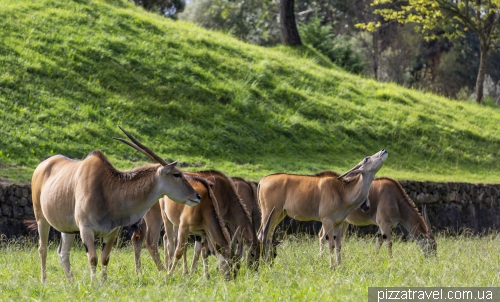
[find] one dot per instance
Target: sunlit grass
(71, 72)
(299, 272)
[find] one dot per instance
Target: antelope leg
(196, 256)
(337, 237)
(43, 233)
(378, 241)
(385, 230)
(204, 258)
(322, 239)
(152, 237)
(108, 243)
(180, 249)
(153, 229)
(64, 251)
(88, 241)
(137, 241)
(184, 260)
(328, 229)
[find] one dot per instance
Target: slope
(70, 72)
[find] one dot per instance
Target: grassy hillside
(70, 72)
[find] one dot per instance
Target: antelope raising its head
(92, 198)
(327, 199)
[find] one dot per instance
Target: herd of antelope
(232, 218)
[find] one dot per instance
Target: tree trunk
(482, 72)
(288, 26)
(375, 38)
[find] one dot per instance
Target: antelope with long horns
(390, 206)
(310, 197)
(93, 198)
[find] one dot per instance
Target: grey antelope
(389, 206)
(92, 198)
(310, 197)
(202, 220)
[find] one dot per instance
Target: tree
(168, 8)
(337, 49)
(288, 26)
(253, 21)
(455, 17)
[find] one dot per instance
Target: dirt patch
(5, 182)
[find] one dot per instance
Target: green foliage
(300, 273)
(168, 8)
(455, 17)
(253, 21)
(70, 72)
(338, 50)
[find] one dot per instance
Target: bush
(338, 50)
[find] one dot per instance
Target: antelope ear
(167, 168)
(352, 173)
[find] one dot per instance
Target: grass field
(70, 72)
(299, 273)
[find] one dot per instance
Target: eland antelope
(390, 206)
(93, 198)
(247, 191)
(233, 211)
(202, 220)
(310, 197)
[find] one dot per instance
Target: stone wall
(456, 207)
(15, 207)
(452, 207)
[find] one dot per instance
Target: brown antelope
(230, 206)
(92, 198)
(203, 220)
(389, 206)
(234, 213)
(247, 191)
(310, 197)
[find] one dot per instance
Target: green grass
(70, 72)
(299, 273)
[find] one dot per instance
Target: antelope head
(426, 240)
(367, 168)
(170, 180)
(369, 165)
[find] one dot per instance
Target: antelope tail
(31, 224)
